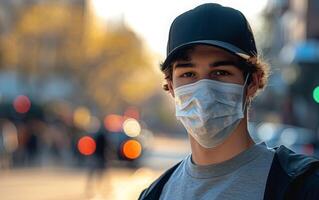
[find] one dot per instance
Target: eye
(187, 75)
(220, 73)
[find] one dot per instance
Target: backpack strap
(291, 175)
(155, 190)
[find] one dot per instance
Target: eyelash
(184, 74)
(222, 73)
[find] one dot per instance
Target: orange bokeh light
(132, 112)
(86, 145)
(132, 149)
(113, 123)
(22, 104)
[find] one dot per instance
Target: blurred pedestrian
(32, 143)
(213, 71)
(98, 163)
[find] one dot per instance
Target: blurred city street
(51, 183)
(70, 184)
(83, 113)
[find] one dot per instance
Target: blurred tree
(107, 66)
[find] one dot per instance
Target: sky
(151, 19)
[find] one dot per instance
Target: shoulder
(293, 175)
(306, 185)
(296, 165)
(155, 189)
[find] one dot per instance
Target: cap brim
(226, 46)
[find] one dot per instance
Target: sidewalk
(68, 184)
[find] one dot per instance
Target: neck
(237, 142)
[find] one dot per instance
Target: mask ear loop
(245, 103)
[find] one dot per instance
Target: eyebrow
(215, 64)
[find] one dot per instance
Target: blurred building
(9, 9)
(36, 48)
(56, 56)
(294, 36)
(58, 50)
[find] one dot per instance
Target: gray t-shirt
(242, 177)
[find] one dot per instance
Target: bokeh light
(316, 94)
(289, 136)
(82, 117)
(86, 145)
(131, 127)
(308, 149)
(290, 74)
(113, 123)
(266, 131)
(94, 125)
(132, 149)
(22, 104)
(132, 112)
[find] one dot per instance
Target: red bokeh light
(22, 104)
(114, 123)
(308, 149)
(132, 112)
(86, 145)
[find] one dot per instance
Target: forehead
(207, 51)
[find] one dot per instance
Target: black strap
(291, 176)
(277, 181)
(306, 185)
(155, 190)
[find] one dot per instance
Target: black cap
(211, 24)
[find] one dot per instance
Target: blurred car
(50, 137)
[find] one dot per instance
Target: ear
(253, 86)
(170, 87)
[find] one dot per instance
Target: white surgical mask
(210, 110)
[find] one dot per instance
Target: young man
(213, 71)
